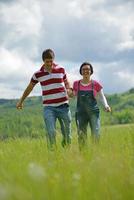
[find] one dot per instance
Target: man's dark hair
(86, 63)
(48, 54)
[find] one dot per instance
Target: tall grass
(28, 171)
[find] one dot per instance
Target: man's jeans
(63, 114)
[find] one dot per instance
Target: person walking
(88, 92)
(55, 90)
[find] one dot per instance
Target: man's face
(48, 62)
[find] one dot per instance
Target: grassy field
(28, 171)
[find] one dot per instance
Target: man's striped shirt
(52, 84)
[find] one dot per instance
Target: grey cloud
(72, 39)
(119, 2)
(109, 75)
(7, 1)
(79, 39)
(76, 40)
(114, 4)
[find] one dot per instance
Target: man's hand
(19, 105)
(70, 92)
(27, 91)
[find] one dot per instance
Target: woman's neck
(86, 80)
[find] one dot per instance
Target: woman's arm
(101, 97)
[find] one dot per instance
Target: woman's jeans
(82, 121)
(63, 114)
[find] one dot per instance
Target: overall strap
(92, 85)
(92, 82)
(78, 85)
(77, 92)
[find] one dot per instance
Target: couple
(56, 91)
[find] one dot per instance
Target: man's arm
(67, 84)
(68, 88)
(27, 91)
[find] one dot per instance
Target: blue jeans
(82, 121)
(63, 114)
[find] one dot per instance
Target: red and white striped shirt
(52, 84)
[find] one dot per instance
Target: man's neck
(48, 68)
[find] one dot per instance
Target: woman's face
(86, 70)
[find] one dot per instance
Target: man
(55, 91)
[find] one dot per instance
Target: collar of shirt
(43, 68)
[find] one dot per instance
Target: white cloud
(21, 27)
(98, 31)
(127, 77)
(16, 71)
(128, 45)
(13, 64)
(24, 17)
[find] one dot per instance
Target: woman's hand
(107, 109)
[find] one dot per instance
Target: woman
(88, 91)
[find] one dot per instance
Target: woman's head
(86, 66)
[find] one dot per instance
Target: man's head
(48, 57)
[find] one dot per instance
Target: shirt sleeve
(75, 88)
(34, 79)
(65, 79)
(97, 86)
(101, 97)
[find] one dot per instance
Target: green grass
(28, 171)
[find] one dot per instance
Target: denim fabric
(82, 121)
(87, 112)
(63, 114)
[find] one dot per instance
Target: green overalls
(87, 112)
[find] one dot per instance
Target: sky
(97, 31)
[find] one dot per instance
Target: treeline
(29, 121)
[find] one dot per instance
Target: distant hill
(29, 121)
(122, 107)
